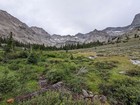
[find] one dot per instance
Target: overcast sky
(72, 16)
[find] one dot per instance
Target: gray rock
(135, 62)
(35, 35)
(21, 32)
(136, 21)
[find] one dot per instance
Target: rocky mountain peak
(95, 30)
(36, 35)
(21, 32)
(5, 16)
(136, 21)
(39, 31)
(118, 31)
(3, 12)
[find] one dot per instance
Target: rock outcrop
(136, 21)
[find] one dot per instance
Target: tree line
(11, 43)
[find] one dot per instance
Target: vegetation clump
(122, 91)
(133, 72)
(106, 64)
(32, 59)
(7, 83)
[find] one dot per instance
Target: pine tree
(10, 44)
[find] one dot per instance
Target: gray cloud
(72, 16)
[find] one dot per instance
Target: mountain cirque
(35, 35)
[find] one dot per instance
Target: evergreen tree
(9, 43)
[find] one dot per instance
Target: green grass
(61, 66)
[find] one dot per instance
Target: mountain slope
(117, 31)
(35, 35)
(136, 21)
(21, 32)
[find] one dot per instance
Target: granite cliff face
(35, 35)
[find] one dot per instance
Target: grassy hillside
(104, 70)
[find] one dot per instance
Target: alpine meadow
(101, 67)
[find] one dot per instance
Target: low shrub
(125, 91)
(134, 72)
(27, 73)
(75, 84)
(80, 58)
(69, 66)
(7, 83)
(23, 54)
(56, 61)
(55, 98)
(51, 55)
(103, 68)
(12, 55)
(106, 64)
(71, 56)
(54, 76)
(32, 59)
(14, 66)
(1, 58)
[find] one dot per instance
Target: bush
(71, 57)
(12, 55)
(16, 55)
(14, 67)
(105, 74)
(51, 55)
(1, 58)
(75, 84)
(106, 64)
(32, 59)
(7, 83)
(134, 72)
(124, 91)
(23, 54)
(26, 74)
(69, 67)
(55, 98)
(80, 58)
(55, 76)
(104, 67)
(56, 61)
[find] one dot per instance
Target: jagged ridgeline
(35, 35)
(13, 43)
